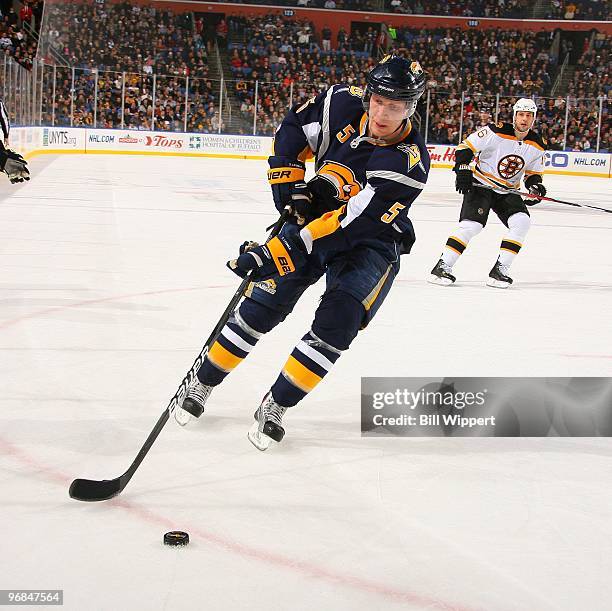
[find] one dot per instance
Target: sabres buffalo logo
(341, 178)
(510, 165)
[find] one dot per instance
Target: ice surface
(111, 277)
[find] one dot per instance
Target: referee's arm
(4, 123)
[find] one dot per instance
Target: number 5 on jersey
(388, 217)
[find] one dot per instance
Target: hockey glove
(282, 255)
(535, 186)
(538, 189)
(286, 178)
(14, 166)
(463, 179)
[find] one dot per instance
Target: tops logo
(128, 139)
(163, 141)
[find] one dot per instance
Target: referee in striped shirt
(11, 163)
(4, 123)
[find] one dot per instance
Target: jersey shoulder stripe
(502, 129)
(535, 140)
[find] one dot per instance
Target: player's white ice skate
(267, 426)
(193, 404)
(441, 274)
(498, 276)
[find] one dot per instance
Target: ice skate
(193, 403)
(441, 274)
(267, 426)
(498, 276)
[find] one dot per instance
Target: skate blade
(182, 417)
(439, 281)
(497, 284)
(259, 440)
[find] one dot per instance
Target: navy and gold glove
(286, 178)
(464, 178)
(13, 165)
(279, 256)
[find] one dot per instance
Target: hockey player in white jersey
(502, 154)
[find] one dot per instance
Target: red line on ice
(298, 566)
(307, 569)
(79, 304)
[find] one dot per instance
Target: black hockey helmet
(396, 78)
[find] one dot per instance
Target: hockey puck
(176, 537)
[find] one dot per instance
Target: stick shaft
(100, 490)
(541, 197)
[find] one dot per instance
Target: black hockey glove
(13, 165)
(281, 255)
(286, 178)
(463, 179)
(535, 187)
(538, 189)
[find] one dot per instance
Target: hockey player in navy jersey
(502, 153)
(350, 223)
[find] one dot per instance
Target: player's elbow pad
(283, 170)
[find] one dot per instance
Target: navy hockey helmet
(396, 78)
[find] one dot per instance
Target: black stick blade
(95, 490)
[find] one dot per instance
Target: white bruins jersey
(501, 159)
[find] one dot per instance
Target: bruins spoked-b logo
(341, 178)
(510, 165)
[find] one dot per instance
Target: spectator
(26, 14)
(326, 35)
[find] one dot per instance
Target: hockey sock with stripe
(458, 241)
(232, 346)
(307, 365)
(512, 242)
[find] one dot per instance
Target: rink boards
(32, 141)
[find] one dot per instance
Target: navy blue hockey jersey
(373, 181)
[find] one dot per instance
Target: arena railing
(54, 95)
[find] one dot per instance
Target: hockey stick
(541, 197)
(102, 490)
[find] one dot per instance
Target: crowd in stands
(157, 62)
(507, 9)
(583, 10)
(477, 61)
(591, 81)
(139, 41)
(15, 41)
(459, 8)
